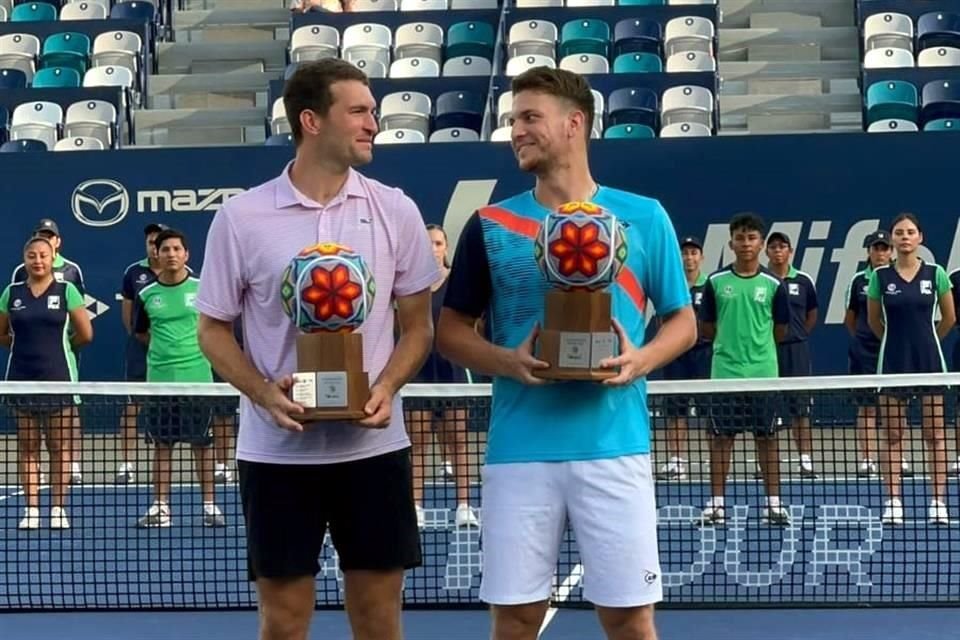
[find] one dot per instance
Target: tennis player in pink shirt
(353, 477)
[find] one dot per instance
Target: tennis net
(832, 539)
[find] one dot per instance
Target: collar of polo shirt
(289, 196)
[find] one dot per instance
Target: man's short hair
(747, 222)
(559, 83)
(167, 234)
(309, 88)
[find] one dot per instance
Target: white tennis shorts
(612, 508)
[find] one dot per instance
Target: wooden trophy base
(576, 336)
(330, 382)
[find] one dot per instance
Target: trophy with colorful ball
(580, 249)
(327, 291)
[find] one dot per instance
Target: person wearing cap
(692, 365)
(136, 276)
(64, 270)
(864, 349)
(793, 353)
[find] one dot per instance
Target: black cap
(780, 236)
(877, 237)
(691, 241)
(47, 225)
(154, 227)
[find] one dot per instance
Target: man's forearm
(678, 332)
(407, 358)
(220, 347)
(461, 344)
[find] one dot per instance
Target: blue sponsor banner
(826, 192)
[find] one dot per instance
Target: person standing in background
(793, 353)
(955, 358)
(36, 315)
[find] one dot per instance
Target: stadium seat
(459, 109)
(633, 105)
(939, 57)
(532, 38)
(373, 68)
(135, 10)
(375, 5)
(939, 99)
(33, 12)
(637, 35)
(892, 99)
(642, 3)
(91, 119)
(423, 5)
(406, 110)
(4, 13)
(20, 51)
(467, 66)
(110, 76)
(585, 63)
(83, 11)
(518, 64)
(414, 68)
(687, 104)
(419, 40)
(278, 118)
(470, 39)
(590, 3)
(584, 36)
(37, 121)
(367, 41)
(458, 5)
(538, 4)
(71, 50)
(399, 136)
(887, 58)
(686, 2)
(501, 134)
(599, 113)
(938, 29)
(314, 42)
(690, 61)
(119, 49)
(637, 63)
(685, 130)
(888, 31)
(12, 79)
(943, 124)
(78, 143)
(891, 126)
(504, 108)
(280, 140)
(636, 131)
(454, 134)
(15, 146)
(56, 78)
(689, 33)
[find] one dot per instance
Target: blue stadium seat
(143, 11)
(938, 29)
(71, 50)
(637, 63)
(461, 109)
(637, 35)
(632, 131)
(633, 105)
(12, 79)
(14, 146)
(939, 99)
(470, 39)
(892, 99)
(56, 78)
(584, 36)
(34, 12)
(943, 124)
(280, 140)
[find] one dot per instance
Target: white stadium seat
(419, 40)
(38, 120)
(78, 143)
(415, 68)
(117, 48)
(685, 130)
(83, 11)
(518, 64)
(91, 119)
(279, 123)
(687, 104)
(399, 136)
(466, 66)
(314, 42)
(585, 63)
(375, 5)
(599, 113)
(406, 110)
(590, 3)
(887, 58)
(373, 68)
(457, 5)
(454, 134)
(367, 41)
(939, 57)
(504, 108)
(891, 125)
(888, 30)
(501, 134)
(533, 37)
(690, 61)
(423, 5)
(20, 51)
(538, 4)
(688, 33)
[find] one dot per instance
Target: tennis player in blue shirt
(571, 450)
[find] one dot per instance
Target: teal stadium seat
(470, 39)
(892, 99)
(630, 131)
(34, 12)
(585, 36)
(638, 63)
(69, 50)
(56, 78)
(944, 124)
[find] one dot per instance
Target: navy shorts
(794, 361)
(692, 365)
(863, 362)
(169, 420)
(751, 412)
(135, 361)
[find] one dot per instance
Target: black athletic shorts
(752, 412)
(794, 361)
(368, 505)
(692, 365)
(169, 420)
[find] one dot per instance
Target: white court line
(563, 593)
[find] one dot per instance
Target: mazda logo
(100, 202)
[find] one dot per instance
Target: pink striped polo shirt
(252, 239)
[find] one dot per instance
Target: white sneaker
(938, 513)
(43, 478)
(775, 516)
(212, 517)
(676, 469)
(75, 476)
(711, 516)
(868, 468)
(31, 518)
(905, 470)
(222, 474)
(125, 474)
(158, 515)
(466, 517)
(448, 475)
(956, 466)
(59, 519)
(892, 512)
(806, 467)
(421, 517)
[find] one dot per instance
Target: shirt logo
(698, 298)
(865, 290)
(142, 277)
(156, 302)
(17, 304)
(727, 291)
(892, 289)
(926, 287)
(760, 294)
(793, 288)
(53, 302)
(189, 298)
(58, 276)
